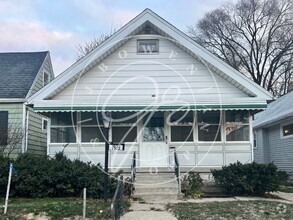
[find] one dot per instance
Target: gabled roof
(161, 26)
(18, 72)
(276, 111)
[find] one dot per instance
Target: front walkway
(157, 209)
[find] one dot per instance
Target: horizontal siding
(37, 139)
(38, 84)
(137, 77)
(14, 123)
(281, 150)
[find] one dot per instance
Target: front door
(154, 147)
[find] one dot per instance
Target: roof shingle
(18, 71)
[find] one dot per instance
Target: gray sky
(59, 26)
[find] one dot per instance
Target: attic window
(46, 78)
(147, 46)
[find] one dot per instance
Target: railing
(177, 171)
(133, 172)
(117, 202)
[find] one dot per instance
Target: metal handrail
(133, 172)
(117, 202)
(177, 171)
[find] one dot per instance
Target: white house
(163, 92)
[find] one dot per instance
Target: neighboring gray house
(22, 75)
(273, 130)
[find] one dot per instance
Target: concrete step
(158, 196)
(155, 189)
(156, 186)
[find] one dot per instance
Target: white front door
(154, 150)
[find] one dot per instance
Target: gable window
(3, 127)
(44, 124)
(287, 130)
(147, 46)
(209, 126)
(181, 126)
(46, 78)
(237, 126)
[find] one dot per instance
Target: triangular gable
(135, 26)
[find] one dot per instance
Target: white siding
(135, 78)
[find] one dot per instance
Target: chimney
(290, 86)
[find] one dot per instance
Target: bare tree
(87, 47)
(253, 36)
(11, 139)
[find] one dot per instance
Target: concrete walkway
(148, 211)
(157, 209)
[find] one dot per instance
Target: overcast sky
(59, 26)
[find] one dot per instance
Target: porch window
(237, 126)
(92, 127)
(181, 126)
(209, 126)
(124, 127)
(63, 127)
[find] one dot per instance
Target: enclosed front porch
(201, 138)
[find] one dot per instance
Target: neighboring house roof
(278, 110)
(256, 94)
(18, 71)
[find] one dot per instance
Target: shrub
(191, 185)
(53, 177)
(249, 179)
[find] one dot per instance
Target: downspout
(25, 115)
(26, 136)
(251, 135)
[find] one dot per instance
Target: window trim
(49, 78)
(281, 130)
(147, 52)
(43, 122)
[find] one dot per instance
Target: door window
(154, 127)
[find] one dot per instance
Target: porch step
(159, 186)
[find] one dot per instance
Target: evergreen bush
(53, 177)
(251, 179)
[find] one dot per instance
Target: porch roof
(150, 108)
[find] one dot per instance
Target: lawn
(56, 208)
(232, 210)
